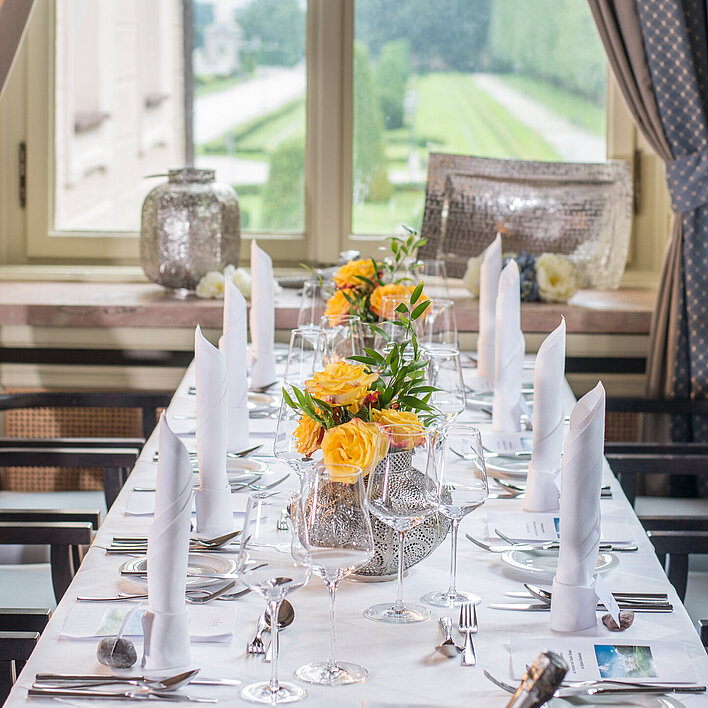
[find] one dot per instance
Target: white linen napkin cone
(574, 600)
(509, 348)
(262, 318)
(213, 498)
(234, 347)
(166, 623)
(542, 493)
(490, 271)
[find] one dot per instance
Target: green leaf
(402, 308)
(416, 294)
(368, 360)
(366, 280)
(420, 309)
(289, 400)
(414, 403)
(323, 404)
(422, 389)
(378, 358)
(380, 331)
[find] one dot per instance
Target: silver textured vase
(419, 542)
(190, 225)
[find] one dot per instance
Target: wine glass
(402, 493)
(340, 541)
(444, 372)
(273, 561)
(314, 302)
(342, 337)
(285, 443)
(304, 355)
(461, 487)
(433, 272)
(390, 322)
(438, 326)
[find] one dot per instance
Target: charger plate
(198, 563)
(543, 564)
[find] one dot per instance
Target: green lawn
(214, 84)
(576, 109)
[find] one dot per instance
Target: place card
(207, 623)
(532, 526)
(595, 659)
(506, 443)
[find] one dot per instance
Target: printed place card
(507, 443)
(593, 659)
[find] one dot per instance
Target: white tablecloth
(403, 667)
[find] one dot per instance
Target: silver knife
(200, 680)
(115, 696)
(540, 607)
(602, 690)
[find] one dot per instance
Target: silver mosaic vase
(190, 225)
(420, 541)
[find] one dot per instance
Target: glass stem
(398, 606)
(274, 609)
(332, 661)
(452, 590)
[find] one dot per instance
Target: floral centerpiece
(361, 285)
(342, 407)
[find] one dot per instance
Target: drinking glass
(273, 561)
(438, 326)
(343, 337)
(315, 294)
(285, 443)
(402, 493)
(389, 322)
(304, 355)
(340, 541)
(433, 272)
(444, 372)
(461, 487)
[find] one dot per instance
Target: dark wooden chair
(673, 549)
(19, 633)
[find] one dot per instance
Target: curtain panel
(658, 52)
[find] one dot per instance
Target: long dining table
(404, 669)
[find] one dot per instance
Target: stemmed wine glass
(444, 372)
(285, 443)
(390, 322)
(402, 493)
(342, 337)
(304, 355)
(434, 273)
(340, 541)
(438, 326)
(461, 487)
(314, 302)
(274, 561)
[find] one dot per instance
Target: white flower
(211, 285)
(556, 278)
(241, 278)
(471, 277)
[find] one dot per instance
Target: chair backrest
(673, 549)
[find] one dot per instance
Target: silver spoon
(448, 647)
(286, 615)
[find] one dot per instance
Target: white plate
(243, 464)
(619, 701)
(198, 563)
(259, 401)
(508, 467)
(543, 564)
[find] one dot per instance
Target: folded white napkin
(234, 346)
(262, 318)
(213, 498)
(508, 404)
(574, 599)
(490, 270)
(166, 623)
(542, 492)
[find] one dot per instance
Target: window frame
(30, 237)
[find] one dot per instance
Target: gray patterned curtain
(659, 54)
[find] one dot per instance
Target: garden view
(496, 78)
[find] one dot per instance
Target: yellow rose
(346, 275)
(308, 434)
(556, 278)
(352, 443)
(404, 436)
(341, 384)
(391, 416)
(395, 289)
(338, 303)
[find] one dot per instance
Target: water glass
(274, 561)
(433, 273)
(461, 487)
(438, 326)
(315, 294)
(343, 337)
(402, 493)
(390, 322)
(304, 355)
(340, 541)
(285, 443)
(444, 372)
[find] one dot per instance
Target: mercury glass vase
(190, 225)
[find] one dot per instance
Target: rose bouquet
(361, 285)
(343, 406)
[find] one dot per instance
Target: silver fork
(256, 646)
(259, 487)
(468, 626)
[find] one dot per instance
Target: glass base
(443, 598)
(261, 693)
(342, 673)
(393, 615)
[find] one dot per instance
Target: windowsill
(113, 303)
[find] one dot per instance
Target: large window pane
(492, 78)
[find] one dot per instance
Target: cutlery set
(467, 626)
(518, 490)
(138, 544)
(239, 485)
(542, 546)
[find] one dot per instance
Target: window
(321, 113)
